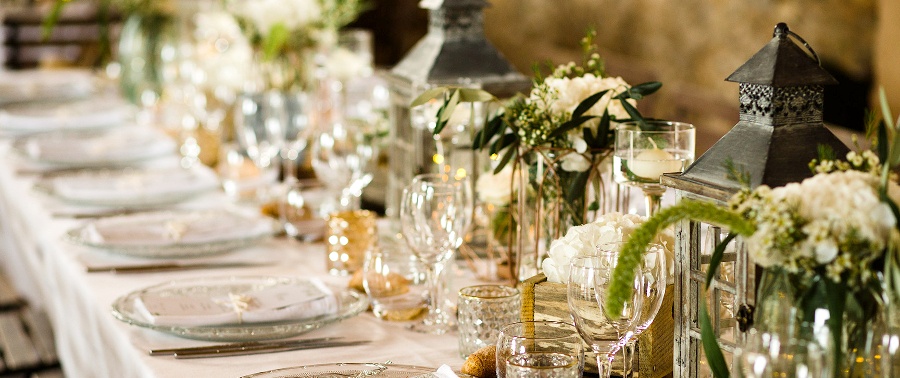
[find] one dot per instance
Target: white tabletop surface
(51, 274)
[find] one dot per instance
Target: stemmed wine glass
(589, 277)
(273, 123)
(645, 150)
(340, 153)
(435, 213)
(653, 270)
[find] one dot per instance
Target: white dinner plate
(175, 234)
(131, 188)
(349, 303)
(81, 114)
(117, 147)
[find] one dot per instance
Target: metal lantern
(455, 52)
(779, 133)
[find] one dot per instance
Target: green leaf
(474, 95)
(510, 152)
(634, 114)
(883, 143)
(640, 91)
(577, 187)
(277, 38)
(837, 299)
(52, 18)
(589, 138)
(588, 103)
(446, 111)
(569, 125)
(710, 346)
(490, 129)
(505, 141)
(603, 131)
(716, 258)
(429, 95)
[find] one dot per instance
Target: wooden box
(542, 300)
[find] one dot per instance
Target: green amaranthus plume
(621, 287)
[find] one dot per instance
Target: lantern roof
(455, 51)
(783, 63)
(780, 128)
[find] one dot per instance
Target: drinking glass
(767, 354)
(481, 311)
(395, 281)
(340, 154)
(653, 289)
(299, 209)
(536, 337)
(589, 278)
(542, 365)
(645, 150)
(435, 214)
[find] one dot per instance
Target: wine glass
(340, 154)
(435, 213)
(589, 278)
(647, 149)
(653, 288)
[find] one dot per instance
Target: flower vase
(793, 307)
(143, 38)
(555, 197)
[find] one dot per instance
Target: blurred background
(691, 46)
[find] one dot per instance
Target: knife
(165, 267)
(238, 346)
(268, 349)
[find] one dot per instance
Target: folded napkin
(445, 372)
(136, 186)
(129, 143)
(283, 302)
(37, 84)
(80, 114)
(170, 228)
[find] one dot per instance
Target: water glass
(542, 365)
(395, 281)
(349, 235)
(242, 180)
(300, 211)
(481, 311)
(538, 337)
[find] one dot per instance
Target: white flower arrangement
(613, 227)
(497, 188)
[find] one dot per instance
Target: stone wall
(689, 45)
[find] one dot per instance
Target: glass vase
(142, 41)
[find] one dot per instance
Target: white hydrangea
(583, 240)
(829, 219)
(265, 14)
(569, 92)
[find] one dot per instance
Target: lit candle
(652, 163)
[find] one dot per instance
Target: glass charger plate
(351, 370)
(134, 189)
(224, 241)
(350, 303)
(110, 147)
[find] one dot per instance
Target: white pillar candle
(652, 163)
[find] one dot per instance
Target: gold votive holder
(348, 236)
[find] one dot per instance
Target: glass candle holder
(348, 236)
(482, 311)
(542, 365)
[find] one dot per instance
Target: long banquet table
(91, 343)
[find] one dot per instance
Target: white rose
(575, 162)
(344, 65)
(496, 189)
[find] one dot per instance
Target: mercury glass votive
(482, 311)
(348, 236)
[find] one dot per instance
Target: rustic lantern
(453, 53)
(779, 133)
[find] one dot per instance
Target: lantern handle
(782, 29)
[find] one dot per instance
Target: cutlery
(164, 267)
(268, 349)
(102, 213)
(238, 346)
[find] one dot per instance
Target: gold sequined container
(348, 235)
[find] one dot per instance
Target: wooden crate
(542, 300)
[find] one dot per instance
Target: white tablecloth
(92, 343)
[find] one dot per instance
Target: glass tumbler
(348, 236)
(542, 365)
(394, 280)
(482, 311)
(533, 337)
